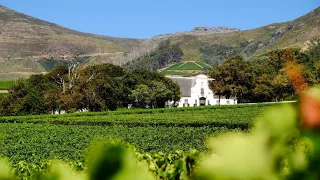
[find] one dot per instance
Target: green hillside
(4, 85)
(187, 68)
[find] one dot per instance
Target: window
(202, 91)
(209, 102)
(186, 101)
(195, 101)
(228, 102)
(202, 84)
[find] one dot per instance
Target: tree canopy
(263, 78)
(95, 88)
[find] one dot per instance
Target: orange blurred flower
(309, 104)
(296, 78)
(310, 111)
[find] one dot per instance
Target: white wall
(201, 81)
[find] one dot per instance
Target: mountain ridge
(31, 45)
(200, 30)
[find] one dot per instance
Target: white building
(196, 92)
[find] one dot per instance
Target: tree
(160, 94)
(58, 76)
(282, 86)
(218, 86)
(142, 96)
(97, 88)
(233, 78)
(263, 91)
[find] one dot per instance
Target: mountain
(199, 31)
(215, 47)
(29, 45)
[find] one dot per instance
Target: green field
(174, 66)
(204, 65)
(186, 68)
(177, 73)
(39, 138)
(4, 85)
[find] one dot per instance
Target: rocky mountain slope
(29, 45)
(215, 47)
(198, 31)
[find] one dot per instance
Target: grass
(204, 65)
(174, 66)
(186, 68)
(4, 85)
(189, 66)
(177, 73)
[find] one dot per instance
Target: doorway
(202, 101)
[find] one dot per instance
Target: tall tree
(234, 77)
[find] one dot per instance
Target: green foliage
(263, 78)
(95, 88)
(276, 147)
(165, 54)
(32, 141)
(204, 65)
(188, 66)
(4, 85)
(255, 155)
(177, 73)
(215, 54)
(172, 67)
(234, 77)
(233, 116)
(110, 161)
(3, 95)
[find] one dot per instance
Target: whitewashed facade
(196, 92)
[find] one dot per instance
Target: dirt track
(3, 91)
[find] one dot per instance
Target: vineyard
(40, 138)
(4, 85)
(263, 141)
(214, 116)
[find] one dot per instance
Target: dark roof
(185, 85)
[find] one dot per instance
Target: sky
(146, 18)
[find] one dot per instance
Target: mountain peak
(4, 9)
(200, 30)
(213, 30)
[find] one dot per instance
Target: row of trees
(263, 78)
(95, 88)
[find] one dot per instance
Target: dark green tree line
(263, 78)
(95, 88)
